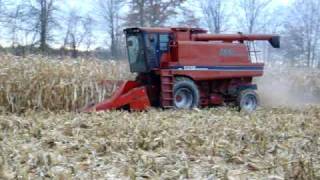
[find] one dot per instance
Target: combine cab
(185, 68)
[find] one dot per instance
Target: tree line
(46, 27)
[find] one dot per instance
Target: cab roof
(164, 30)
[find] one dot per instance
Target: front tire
(185, 94)
(248, 101)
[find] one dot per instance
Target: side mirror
(275, 41)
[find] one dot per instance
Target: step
(168, 99)
(169, 107)
(167, 91)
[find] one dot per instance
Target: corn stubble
(216, 143)
(44, 138)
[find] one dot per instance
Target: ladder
(167, 82)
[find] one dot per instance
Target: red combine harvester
(185, 68)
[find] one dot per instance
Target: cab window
(135, 53)
(133, 48)
(164, 42)
(152, 50)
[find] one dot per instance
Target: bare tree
(78, 32)
(188, 18)
(4, 10)
(109, 13)
(151, 12)
(14, 23)
(17, 25)
(254, 12)
(5, 14)
(138, 5)
(73, 37)
(43, 13)
(302, 29)
(215, 14)
(88, 23)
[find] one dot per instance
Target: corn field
(42, 136)
(50, 84)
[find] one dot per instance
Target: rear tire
(185, 94)
(248, 101)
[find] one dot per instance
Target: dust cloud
(289, 87)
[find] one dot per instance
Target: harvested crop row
(215, 143)
(52, 84)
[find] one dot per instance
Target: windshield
(135, 53)
(133, 48)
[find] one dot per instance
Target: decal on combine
(227, 52)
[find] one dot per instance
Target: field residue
(216, 143)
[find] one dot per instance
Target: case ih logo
(226, 52)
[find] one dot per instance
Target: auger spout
(273, 39)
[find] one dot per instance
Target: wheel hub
(250, 103)
(183, 98)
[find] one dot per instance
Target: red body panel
(204, 75)
(191, 54)
(210, 53)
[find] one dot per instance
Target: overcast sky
(87, 6)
